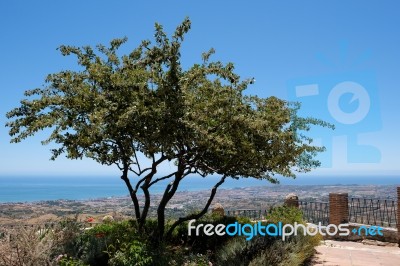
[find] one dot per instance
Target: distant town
(254, 198)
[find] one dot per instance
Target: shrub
(26, 248)
(202, 243)
(284, 214)
(41, 245)
(197, 260)
(134, 254)
(120, 243)
(295, 251)
(96, 241)
(268, 250)
(238, 251)
(67, 236)
(69, 261)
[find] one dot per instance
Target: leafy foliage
(104, 240)
(118, 107)
(267, 250)
(284, 214)
(294, 251)
(135, 254)
(202, 242)
(69, 261)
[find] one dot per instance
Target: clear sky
(340, 58)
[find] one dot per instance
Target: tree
(119, 107)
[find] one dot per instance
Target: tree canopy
(118, 107)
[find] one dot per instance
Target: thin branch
(141, 172)
(153, 169)
(188, 171)
(140, 182)
(161, 178)
(133, 171)
(137, 161)
(119, 167)
(202, 212)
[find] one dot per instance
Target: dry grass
(26, 247)
(34, 246)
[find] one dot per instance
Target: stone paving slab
(338, 253)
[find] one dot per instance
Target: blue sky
(345, 53)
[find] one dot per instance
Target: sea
(31, 189)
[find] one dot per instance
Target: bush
(120, 243)
(268, 250)
(134, 254)
(41, 245)
(197, 260)
(295, 251)
(26, 248)
(238, 251)
(67, 236)
(284, 214)
(201, 243)
(69, 261)
(102, 241)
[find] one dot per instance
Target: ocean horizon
(31, 189)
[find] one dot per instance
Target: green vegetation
(286, 215)
(118, 108)
(122, 243)
(142, 110)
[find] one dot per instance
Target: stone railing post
(292, 200)
(218, 209)
(398, 215)
(338, 208)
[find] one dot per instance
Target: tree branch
(137, 161)
(141, 172)
(160, 179)
(140, 182)
(202, 212)
(153, 169)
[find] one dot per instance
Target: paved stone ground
(338, 253)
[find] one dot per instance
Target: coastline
(256, 197)
(34, 189)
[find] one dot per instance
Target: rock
(378, 243)
(108, 219)
(292, 200)
(218, 209)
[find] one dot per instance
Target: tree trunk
(168, 194)
(146, 205)
(132, 192)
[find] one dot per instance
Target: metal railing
(382, 212)
(315, 211)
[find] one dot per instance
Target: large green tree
(118, 108)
